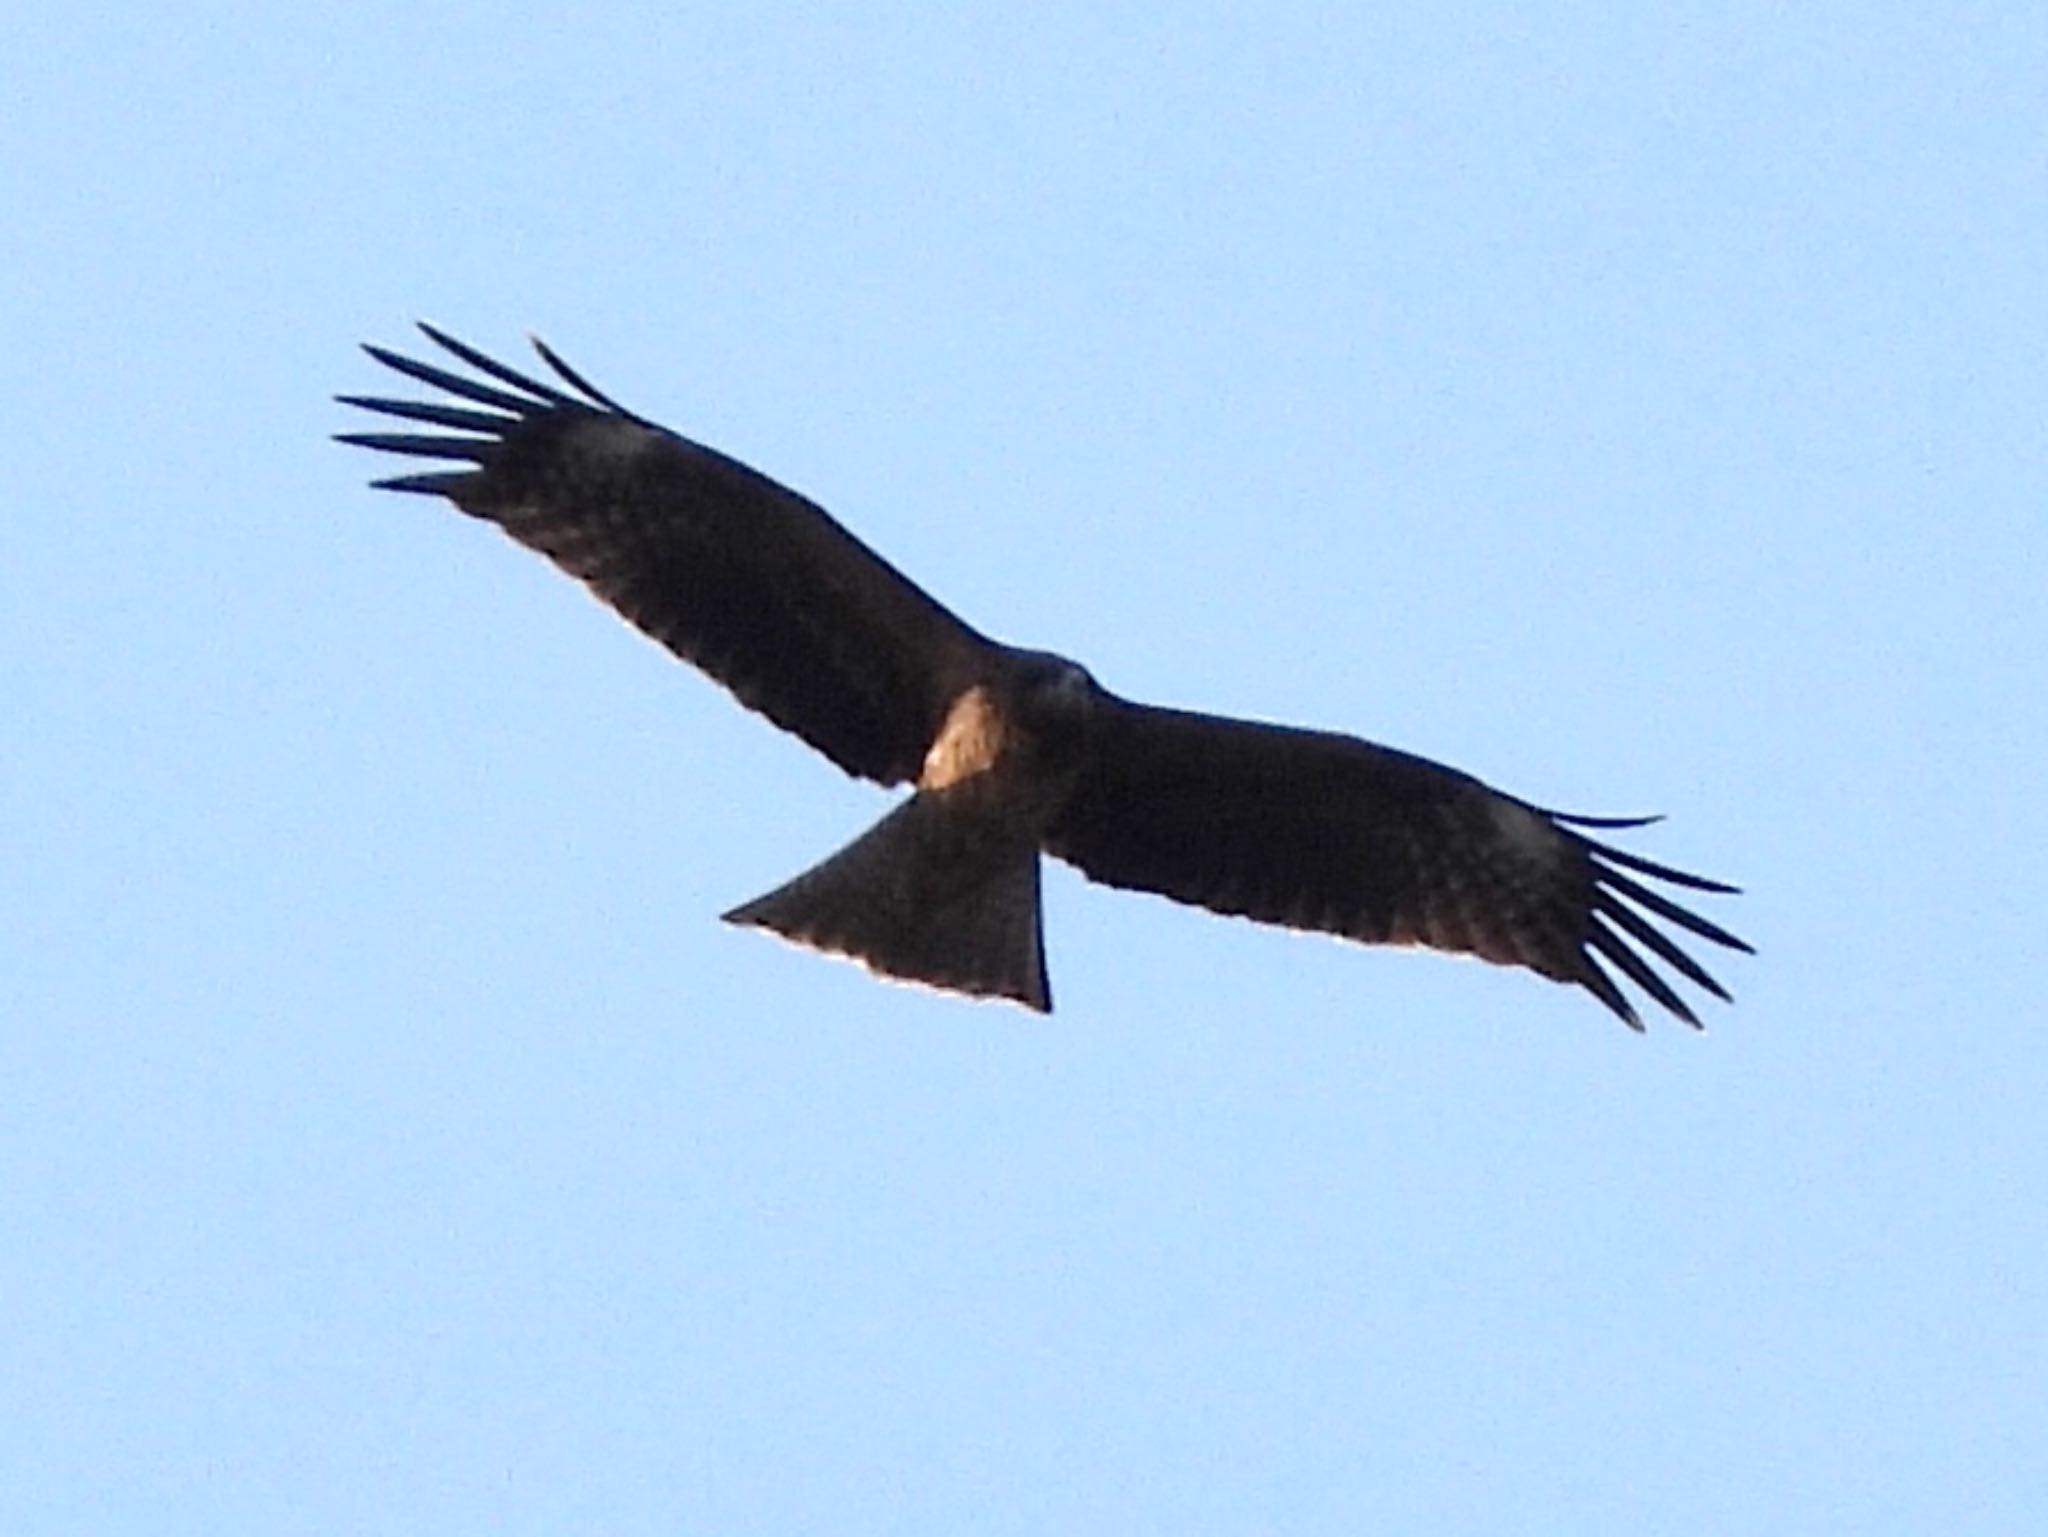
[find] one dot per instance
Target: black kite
(1011, 752)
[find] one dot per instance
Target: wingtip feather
(1611, 886)
(576, 380)
(445, 483)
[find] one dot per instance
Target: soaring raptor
(1012, 752)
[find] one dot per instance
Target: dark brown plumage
(1012, 751)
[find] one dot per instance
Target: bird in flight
(1012, 753)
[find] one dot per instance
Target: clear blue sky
(1641, 407)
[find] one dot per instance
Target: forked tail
(935, 892)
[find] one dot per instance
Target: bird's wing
(753, 583)
(1317, 831)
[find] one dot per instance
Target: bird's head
(1051, 687)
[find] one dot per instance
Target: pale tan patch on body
(971, 741)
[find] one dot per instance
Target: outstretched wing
(743, 577)
(1312, 830)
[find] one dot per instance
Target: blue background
(1639, 407)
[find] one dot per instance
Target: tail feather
(932, 894)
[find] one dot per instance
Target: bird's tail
(934, 892)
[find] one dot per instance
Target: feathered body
(1011, 752)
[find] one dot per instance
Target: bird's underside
(1011, 753)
